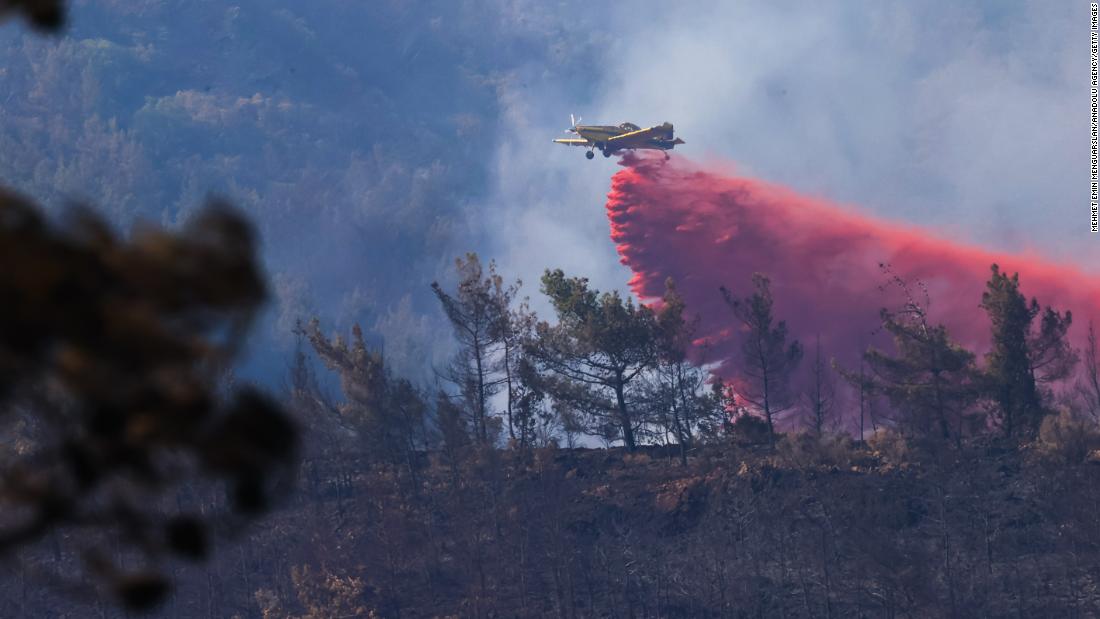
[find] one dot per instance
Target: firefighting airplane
(610, 139)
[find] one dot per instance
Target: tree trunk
(624, 416)
(482, 434)
(508, 383)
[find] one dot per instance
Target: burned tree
(489, 342)
(822, 392)
(386, 413)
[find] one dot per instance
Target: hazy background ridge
(372, 142)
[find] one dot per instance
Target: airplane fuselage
(609, 139)
(600, 136)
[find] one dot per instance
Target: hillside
(355, 135)
(820, 530)
(881, 437)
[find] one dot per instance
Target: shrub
(750, 429)
(805, 450)
(1067, 439)
(890, 446)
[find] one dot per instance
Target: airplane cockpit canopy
(629, 126)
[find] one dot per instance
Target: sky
(374, 142)
(967, 118)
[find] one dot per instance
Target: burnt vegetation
(508, 488)
(588, 467)
(580, 466)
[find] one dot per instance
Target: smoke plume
(706, 228)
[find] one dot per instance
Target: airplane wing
(573, 141)
(634, 137)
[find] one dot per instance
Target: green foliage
(931, 381)
(1022, 357)
(311, 117)
(525, 410)
(599, 346)
(674, 396)
(750, 429)
(1007, 366)
(602, 325)
(1050, 356)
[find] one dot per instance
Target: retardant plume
(706, 228)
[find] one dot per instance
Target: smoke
(709, 227)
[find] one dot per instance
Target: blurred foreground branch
(45, 15)
(110, 351)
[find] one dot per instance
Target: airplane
(610, 139)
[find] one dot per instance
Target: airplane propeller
(573, 122)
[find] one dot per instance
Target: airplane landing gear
(589, 155)
(606, 153)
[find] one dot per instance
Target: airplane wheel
(589, 155)
(606, 153)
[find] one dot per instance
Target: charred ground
(814, 529)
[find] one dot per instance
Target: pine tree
(768, 361)
(864, 386)
(1088, 387)
(1050, 357)
(479, 312)
(600, 345)
(1021, 360)
(931, 381)
(820, 397)
(512, 329)
(676, 393)
(387, 413)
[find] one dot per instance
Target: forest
(588, 467)
(588, 463)
(581, 467)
